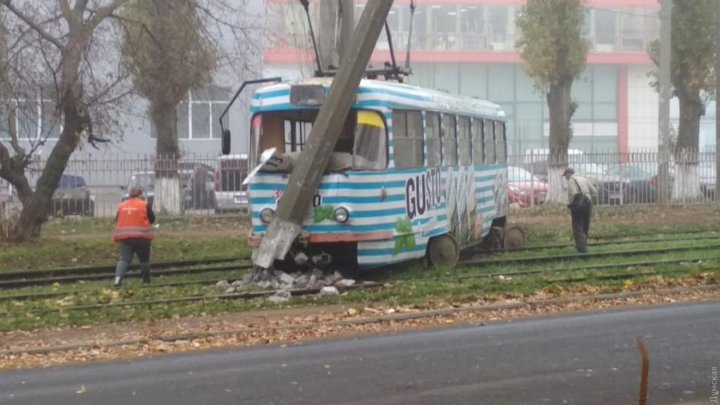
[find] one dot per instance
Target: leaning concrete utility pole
(308, 172)
(664, 105)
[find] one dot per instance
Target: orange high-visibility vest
(132, 221)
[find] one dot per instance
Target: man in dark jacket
(134, 234)
(581, 194)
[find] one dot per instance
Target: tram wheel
(514, 238)
(443, 251)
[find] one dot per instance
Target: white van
(230, 193)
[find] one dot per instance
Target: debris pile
(283, 282)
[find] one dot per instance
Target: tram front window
(361, 145)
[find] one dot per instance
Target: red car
(524, 189)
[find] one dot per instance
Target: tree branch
(65, 7)
(102, 13)
(27, 20)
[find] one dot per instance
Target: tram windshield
(361, 144)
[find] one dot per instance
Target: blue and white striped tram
(415, 173)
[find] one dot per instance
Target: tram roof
(398, 95)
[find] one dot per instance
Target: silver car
(230, 193)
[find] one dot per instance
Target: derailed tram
(415, 173)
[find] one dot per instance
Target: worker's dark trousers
(581, 212)
(128, 248)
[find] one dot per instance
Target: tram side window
(407, 139)
(478, 142)
(464, 141)
(434, 146)
(369, 149)
(449, 141)
(489, 142)
(500, 146)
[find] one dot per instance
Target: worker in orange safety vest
(134, 234)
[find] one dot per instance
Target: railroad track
(19, 279)
(190, 267)
(603, 243)
(249, 295)
(597, 269)
(73, 275)
(583, 256)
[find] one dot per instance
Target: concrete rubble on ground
(283, 282)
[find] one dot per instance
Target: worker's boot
(145, 273)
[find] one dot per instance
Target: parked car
(609, 186)
(230, 192)
(525, 189)
(196, 179)
(144, 180)
(639, 185)
(72, 197)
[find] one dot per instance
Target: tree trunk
(167, 182)
(686, 187)
(687, 184)
(561, 109)
(35, 207)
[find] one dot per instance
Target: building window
(35, 119)
(450, 155)
(408, 139)
(434, 146)
(198, 116)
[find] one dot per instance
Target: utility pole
(328, 33)
(337, 21)
(664, 105)
(717, 104)
(347, 24)
(311, 165)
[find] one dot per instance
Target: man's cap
(136, 192)
(568, 172)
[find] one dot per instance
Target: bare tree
(167, 54)
(555, 52)
(50, 52)
(66, 58)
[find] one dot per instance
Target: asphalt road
(577, 359)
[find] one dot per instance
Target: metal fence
(627, 179)
(210, 184)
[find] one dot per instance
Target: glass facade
(595, 92)
(481, 27)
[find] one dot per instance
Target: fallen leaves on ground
(294, 326)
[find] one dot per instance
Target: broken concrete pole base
(276, 243)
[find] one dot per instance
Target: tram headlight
(267, 215)
(342, 215)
